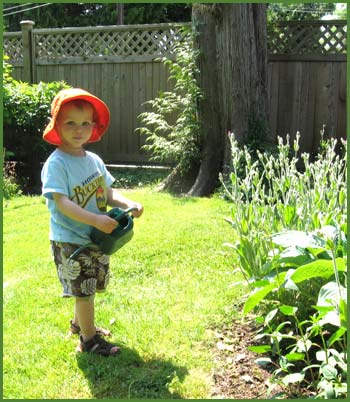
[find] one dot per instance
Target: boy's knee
(85, 298)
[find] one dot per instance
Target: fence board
(309, 95)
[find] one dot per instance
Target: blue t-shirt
(84, 180)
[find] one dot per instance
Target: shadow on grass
(128, 376)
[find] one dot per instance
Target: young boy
(76, 185)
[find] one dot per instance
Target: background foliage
(58, 15)
(171, 126)
(26, 112)
(92, 14)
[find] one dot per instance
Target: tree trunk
(233, 62)
(209, 108)
(179, 182)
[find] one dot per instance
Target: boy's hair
(81, 104)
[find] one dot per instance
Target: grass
(170, 286)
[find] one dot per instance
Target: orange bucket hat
(51, 134)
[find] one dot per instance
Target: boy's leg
(85, 316)
(85, 313)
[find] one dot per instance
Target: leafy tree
(298, 11)
(58, 15)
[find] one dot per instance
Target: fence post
(28, 51)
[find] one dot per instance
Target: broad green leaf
(260, 294)
(318, 268)
(321, 355)
(333, 296)
(263, 361)
(339, 358)
(298, 238)
(329, 232)
(294, 356)
(256, 297)
(288, 310)
(270, 315)
(290, 285)
(304, 346)
(328, 389)
(260, 348)
(336, 336)
(295, 256)
(331, 318)
(280, 326)
(292, 378)
(329, 372)
(260, 283)
(330, 294)
(323, 309)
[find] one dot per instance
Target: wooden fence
(307, 80)
(121, 64)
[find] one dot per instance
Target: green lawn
(170, 286)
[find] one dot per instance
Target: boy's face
(75, 125)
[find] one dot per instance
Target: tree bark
(179, 182)
(209, 108)
(233, 62)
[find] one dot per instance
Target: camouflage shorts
(87, 274)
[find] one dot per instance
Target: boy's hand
(105, 223)
(139, 211)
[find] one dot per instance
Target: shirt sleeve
(54, 179)
(109, 178)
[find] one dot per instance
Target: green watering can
(109, 243)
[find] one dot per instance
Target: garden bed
(238, 376)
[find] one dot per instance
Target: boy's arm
(115, 199)
(75, 212)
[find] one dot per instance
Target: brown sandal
(75, 330)
(98, 345)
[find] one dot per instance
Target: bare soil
(238, 376)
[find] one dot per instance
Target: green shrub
(176, 142)
(9, 185)
(10, 188)
(26, 111)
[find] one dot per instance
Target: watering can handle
(127, 211)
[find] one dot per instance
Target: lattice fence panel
(152, 41)
(13, 47)
(303, 38)
(155, 42)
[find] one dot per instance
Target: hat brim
(102, 114)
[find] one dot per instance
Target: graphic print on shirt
(93, 185)
(101, 199)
